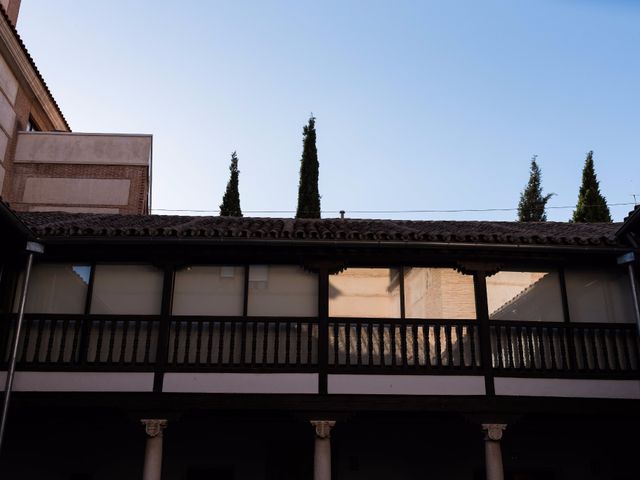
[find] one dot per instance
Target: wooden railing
(254, 343)
(99, 341)
(403, 344)
(357, 345)
(564, 349)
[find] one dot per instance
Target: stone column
(153, 451)
(492, 451)
(322, 455)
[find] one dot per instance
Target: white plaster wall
(80, 382)
(241, 382)
(83, 148)
(7, 115)
(406, 384)
(8, 82)
(79, 191)
(555, 387)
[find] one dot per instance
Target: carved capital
(323, 427)
(493, 431)
(154, 426)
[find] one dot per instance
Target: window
(599, 296)
(365, 292)
(438, 293)
(56, 288)
(31, 126)
(286, 291)
(127, 290)
(526, 296)
(209, 290)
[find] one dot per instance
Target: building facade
(208, 348)
(280, 348)
(46, 167)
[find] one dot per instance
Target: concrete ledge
(406, 384)
(83, 148)
(572, 388)
(241, 383)
(80, 382)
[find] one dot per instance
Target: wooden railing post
(162, 353)
(482, 314)
(323, 330)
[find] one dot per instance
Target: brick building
(46, 167)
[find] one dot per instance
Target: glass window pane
(599, 296)
(56, 288)
(286, 291)
(209, 290)
(365, 292)
(438, 293)
(526, 296)
(127, 290)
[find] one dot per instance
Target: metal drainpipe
(32, 248)
(629, 259)
(634, 293)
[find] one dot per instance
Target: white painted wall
(80, 382)
(555, 387)
(406, 384)
(241, 382)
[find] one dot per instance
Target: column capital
(493, 431)
(323, 427)
(153, 426)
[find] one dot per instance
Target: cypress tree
(532, 203)
(308, 195)
(592, 206)
(231, 200)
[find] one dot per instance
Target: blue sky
(420, 105)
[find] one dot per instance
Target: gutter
(333, 243)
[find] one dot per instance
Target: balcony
(146, 343)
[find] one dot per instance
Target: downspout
(32, 248)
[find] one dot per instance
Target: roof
(631, 222)
(10, 224)
(85, 225)
(33, 64)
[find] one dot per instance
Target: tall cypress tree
(532, 203)
(592, 206)
(231, 200)
(308, 195)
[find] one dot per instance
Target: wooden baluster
(438, 347)
(198, 342)
(27, 326)
(112, 338)
(52, 329)
(210, 330)
(176, 341)
(123, 343)
(472, 343)
(221, 330)
(135, 342)
(287, 340)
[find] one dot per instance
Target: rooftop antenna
(635, 200)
